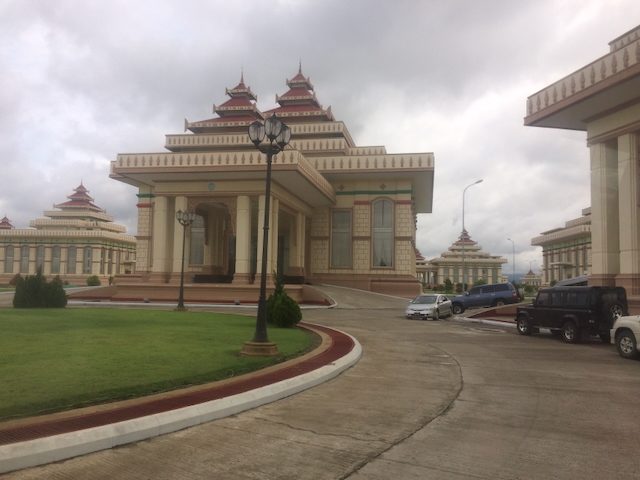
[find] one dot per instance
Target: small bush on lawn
(93, 281)
(35, 292)
(282, 310)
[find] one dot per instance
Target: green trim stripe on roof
(145, 195)
(373, 192)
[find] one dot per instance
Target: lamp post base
(259, 349)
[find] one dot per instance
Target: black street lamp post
(185, 219)
(464, 273)
(278, 135)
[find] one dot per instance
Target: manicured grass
(56, 359)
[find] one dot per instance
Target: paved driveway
(428, 400)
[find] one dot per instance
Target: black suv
(572, 312)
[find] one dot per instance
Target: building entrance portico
(339, 213)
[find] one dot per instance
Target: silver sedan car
(428, 306)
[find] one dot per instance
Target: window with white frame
(55, 259)
(341, 243)
(71, 259)
(87, 260)
(24, 259)
(382, 233)
(40, 258)
(196, 245)
(8, 259)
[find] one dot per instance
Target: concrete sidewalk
(330, 431)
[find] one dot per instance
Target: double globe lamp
(278, 136)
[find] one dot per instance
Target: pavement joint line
(39, 451)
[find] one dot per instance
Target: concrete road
(428, 400)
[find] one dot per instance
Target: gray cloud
(82, 81)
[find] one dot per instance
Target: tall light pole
(513, 259)
(462, 237)
(278, 135)
(185, 219)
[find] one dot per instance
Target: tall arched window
(40, 258)
(382, 233)
(8, 259)
(87, 260)
(341, 245)
(196, 245)
(24, 259)
(55, 259)
(71, 259)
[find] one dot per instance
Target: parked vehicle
(493, 295)
(429, 306)
(625, 334)
(573, 312)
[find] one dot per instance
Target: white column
(159, 234)
(628, 203)
(180, 204)
(604, 213)
(243, 239)
(297, 244)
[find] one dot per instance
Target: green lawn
(56, 359)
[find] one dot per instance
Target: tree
(35, 292)
(282, 310)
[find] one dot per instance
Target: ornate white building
(340, 213)
(566, 251)
(603, 99)
(74, 240)
(465, 263)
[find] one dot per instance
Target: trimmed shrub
(35, 292)
(93, 281)
(282, 310)
(15, 279)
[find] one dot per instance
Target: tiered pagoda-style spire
(300, 102)
(465, 239)
(239, 111)
(5, 224)
(80, 199)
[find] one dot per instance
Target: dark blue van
(494, 295)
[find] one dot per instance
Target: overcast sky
(81, 81)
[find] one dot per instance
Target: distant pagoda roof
(5, 224)
(300, 103)
(79, 200)
(239, 111)
(465, 239)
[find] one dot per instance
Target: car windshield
(425, 299)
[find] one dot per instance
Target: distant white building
(75, 240)
(566, 251)
(464, 260)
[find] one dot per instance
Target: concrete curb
(61, 447)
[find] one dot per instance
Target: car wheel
(570, 332)
(626, 344)
(614, 311)
(436, 315)
(605, 337)
(457, 309)
(500, 303)
(523, 325)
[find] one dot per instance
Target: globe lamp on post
(185, 219)
(278, 136)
